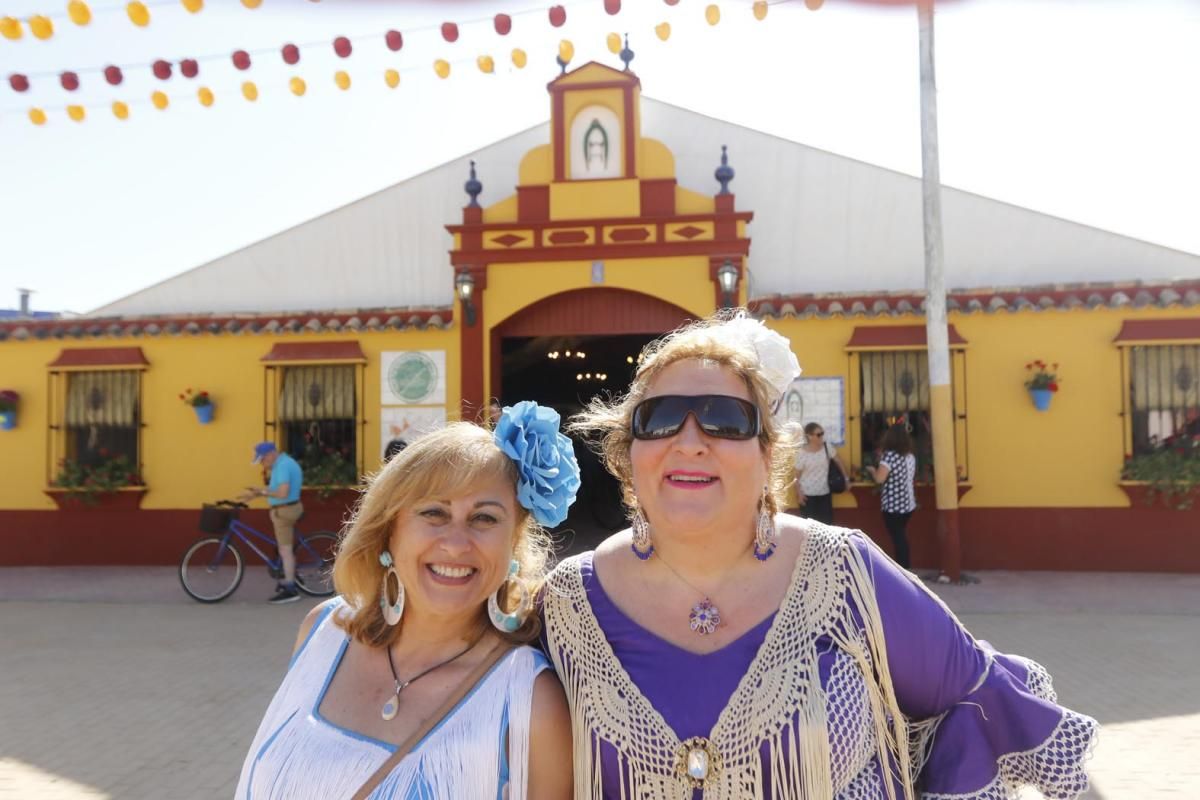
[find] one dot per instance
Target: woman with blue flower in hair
(417, 682)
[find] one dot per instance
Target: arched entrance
(565, 349)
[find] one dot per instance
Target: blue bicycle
(213, 567)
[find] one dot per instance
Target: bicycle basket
(216, 519)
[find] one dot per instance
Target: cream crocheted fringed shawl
(779, 702)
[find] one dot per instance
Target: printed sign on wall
(407, 424)
(413, 378)
(819, 400)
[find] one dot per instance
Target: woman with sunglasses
(812, 466)
(721, 650)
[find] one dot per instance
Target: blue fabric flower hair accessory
(549, 474)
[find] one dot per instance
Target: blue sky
(1080, 109)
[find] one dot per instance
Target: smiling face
(691, 483)
(452, 552)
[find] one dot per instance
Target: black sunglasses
(718, 415)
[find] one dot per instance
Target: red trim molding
(101, 357)
(315, 351)
(867, 337)
(1152, 330)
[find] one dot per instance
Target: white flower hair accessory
(776, 360)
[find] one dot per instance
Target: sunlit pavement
(113, 684)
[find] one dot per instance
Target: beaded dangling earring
(392, 610)
(641, 545)
(510, 622)
(764, 533)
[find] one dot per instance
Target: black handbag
(837, 479)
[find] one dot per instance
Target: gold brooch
(697, 761)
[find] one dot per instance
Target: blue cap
(262, 450)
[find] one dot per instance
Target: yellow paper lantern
(160, 100)
(392, 78)
(252, 3)
(120, 110)
(10, 28)
(663, 30)
(442, 68)
(77, 113)
(41, 27)
(519, 58)
(37, 116)
(79, 12)
(138, 13)
(298, 86)
(613, 41)
(205, 96)
(250, 91)
(342, 79)
(193, 6)
(712, 14)
(566, 50)
(486, 64)
(760, 10)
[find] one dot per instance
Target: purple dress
(980, 724)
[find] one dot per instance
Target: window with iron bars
(894, 390)
(317, 418)
(95, 427)
(1164, 395)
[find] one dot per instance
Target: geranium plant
(8, 401)
(1042, 376)
(195, 399)
(1171, 472)
(90, 479)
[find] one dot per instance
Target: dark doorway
(565, 372)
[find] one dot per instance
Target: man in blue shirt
(283, 496)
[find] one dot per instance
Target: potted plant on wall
(1171, 472)
(201, 403)
(1042, 383)
(8, 409)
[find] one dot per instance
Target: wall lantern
(464, 284)
(727, 277)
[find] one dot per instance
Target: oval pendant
(391, 707)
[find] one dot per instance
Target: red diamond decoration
(689, 231)
(508, 239)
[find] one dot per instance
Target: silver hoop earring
(641, 545)
(392, 610)
(765, 537)
(510, 622)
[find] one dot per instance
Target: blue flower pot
(1041, 398)
(8, 420)
(205, 413)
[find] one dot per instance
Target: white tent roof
(822, 223)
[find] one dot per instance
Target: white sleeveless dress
(298, 754)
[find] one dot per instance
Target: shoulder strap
(455, 697)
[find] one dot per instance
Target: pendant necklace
(705, 617)
(392, 706)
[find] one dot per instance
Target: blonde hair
(607, 423)
(446, 462)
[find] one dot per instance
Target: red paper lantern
(69, 81)
(18, 82)
(558, 15)
(503, 23)
(612, 6)
(241, 59)
(450, 32)
(671, 2)
(162, 69)
(394, 40)
(342, 46)
(189, 67)
(291, 54)
(113, 75)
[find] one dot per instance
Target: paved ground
(115, 685)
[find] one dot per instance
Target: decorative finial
(473, 187)
(562, 65)
(626, 54)
(724, 173)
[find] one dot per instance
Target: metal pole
(937, 336)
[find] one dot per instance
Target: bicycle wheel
(211, 569)
(314, 562)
